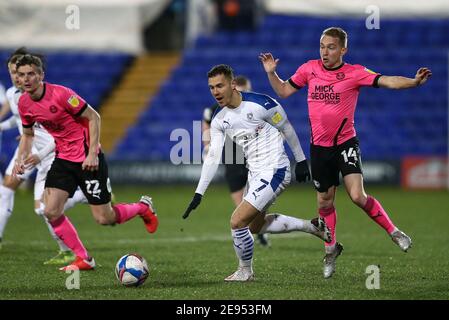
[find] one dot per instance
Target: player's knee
(52, 214)
(358, 198)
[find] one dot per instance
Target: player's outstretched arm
(209, 168)
(399, 82)
(193, 205)
(282, 88)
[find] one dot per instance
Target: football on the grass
(132, 270)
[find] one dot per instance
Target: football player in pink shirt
(333, 89)
(75, 127)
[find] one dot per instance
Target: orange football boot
(80, 264)
(149, 217)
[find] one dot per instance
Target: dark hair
(30, 59)
(339, 33)
(241, 80)
(223, 69)
(16, 55)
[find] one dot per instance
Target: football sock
(278, 223)
(243, 246)
(126, 211)
(330, 217)
(6, 206)
(62, 246)
(40, 212)
(375, 211)
(65, 230)
(78, 197)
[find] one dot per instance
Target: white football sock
(6, 206)
(278, 223)
(243, 246)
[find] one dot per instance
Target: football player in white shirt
(236, 172)
(4, 109)
(41, 159)
(259, 124)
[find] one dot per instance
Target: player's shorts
(264, 187)
(236, 176)
(42, 169)
(328, 162)
(67, 175)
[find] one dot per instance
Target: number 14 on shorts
(348, 154)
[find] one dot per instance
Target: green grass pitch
(189, 259)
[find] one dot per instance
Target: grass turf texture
(189, 259)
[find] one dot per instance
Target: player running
(333, 89)
(41, 158)
(255, 122)
(236, 173)
(79, 162)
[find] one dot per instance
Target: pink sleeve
(299, 79)
(71, 101)
(366, 77)
(26, 117)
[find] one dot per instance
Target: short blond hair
(339, 33)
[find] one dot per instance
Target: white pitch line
(217, 238)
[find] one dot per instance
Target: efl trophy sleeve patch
(276, 118)
(73, 101)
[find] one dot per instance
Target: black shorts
(236, 176)
(67, 175)
(328, 162)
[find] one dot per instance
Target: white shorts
(264, 187)
(42, 170)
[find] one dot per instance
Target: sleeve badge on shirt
(370, 71)
(73, 101)
(276, 118)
